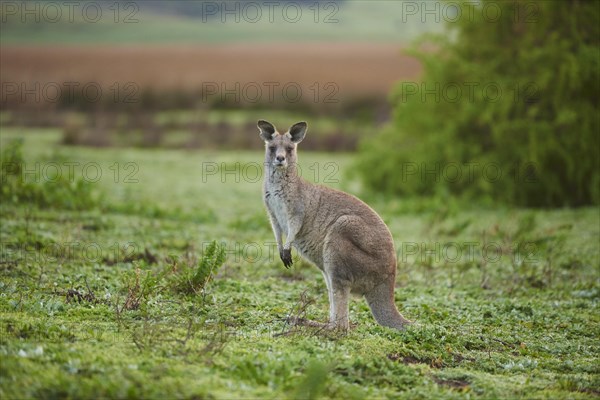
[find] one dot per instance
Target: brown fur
(337, 232)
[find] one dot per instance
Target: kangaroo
(337, 232)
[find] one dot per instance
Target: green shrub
(63, 192)
(191, 279)
(518, 96)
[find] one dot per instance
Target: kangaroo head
(281, 148)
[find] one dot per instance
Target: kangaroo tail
(381, 302)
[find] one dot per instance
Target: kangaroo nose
(280, 158)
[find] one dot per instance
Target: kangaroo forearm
(294, 226)
(276, 232)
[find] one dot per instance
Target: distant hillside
(207, 8)
(126, 22)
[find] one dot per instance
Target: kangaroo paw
(286, 257)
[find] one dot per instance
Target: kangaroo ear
(267, 130)
(298, 131)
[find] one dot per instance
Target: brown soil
(364, 70)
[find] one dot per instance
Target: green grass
(523, 324)
(357, 20)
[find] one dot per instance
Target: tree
(507, 108)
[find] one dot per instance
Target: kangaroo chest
(307, 242)
(277, 205)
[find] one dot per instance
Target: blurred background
(198, 73)
(136, 257)
(493, 100)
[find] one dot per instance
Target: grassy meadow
(136, 258)
(99, 297)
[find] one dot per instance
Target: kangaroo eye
(290, 149)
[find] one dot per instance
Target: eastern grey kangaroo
(337, 232)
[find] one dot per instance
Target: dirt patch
(432, 362)
(437, 362)
(459, 358)
(73, 295)
(404, 359)
(146, 255)
(593, 392)
(77, 296)
(452, 383)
